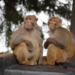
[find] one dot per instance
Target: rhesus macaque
(60, 44)
(26, 42)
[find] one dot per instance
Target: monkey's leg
(64, 56)
(70, 54)
(36, 54)
(51, 55)
(7, 55)
(21, 53)
(61, 56)
(56, 54)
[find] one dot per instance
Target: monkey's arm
(53, 41)
(28, 43)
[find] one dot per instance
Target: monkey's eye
(54, 20)
(30, 19)
(50, 20)
(26, 18)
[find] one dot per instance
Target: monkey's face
(52, 23)
(30, 21)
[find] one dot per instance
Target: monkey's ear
(35, 18)
(60, 21)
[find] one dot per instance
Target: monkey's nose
(27, 21)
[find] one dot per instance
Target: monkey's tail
(7, 55)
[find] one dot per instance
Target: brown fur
(60, 44)
(26, 43)
(7, 55)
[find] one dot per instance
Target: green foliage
(42, 35)
(8, 33)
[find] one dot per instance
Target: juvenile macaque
(26, 42)
(60, 44)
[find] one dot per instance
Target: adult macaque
(60, 44)
(26, 42)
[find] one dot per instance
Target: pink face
(52, 23)
(28, 21)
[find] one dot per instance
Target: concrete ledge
(39, 70)
(18, 72)
(10, 66)
(6, 62)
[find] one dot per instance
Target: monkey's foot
(48, 62)
(44, 62)
(61, 61)
(30, 63)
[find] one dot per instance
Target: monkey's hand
(53, 41)
(29, 44)
(46, 44)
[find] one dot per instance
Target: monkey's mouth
(28, 27)
(28, 24)
(51, 25)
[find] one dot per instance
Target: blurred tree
(72, 27)
(12, 16)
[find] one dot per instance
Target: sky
(42, 17)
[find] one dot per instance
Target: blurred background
(12, 13)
